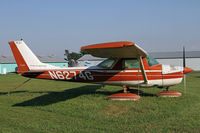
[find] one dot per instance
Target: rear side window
(130, 64)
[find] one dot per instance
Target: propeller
(185, 69)
(184, 65)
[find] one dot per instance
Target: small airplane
(127, 65)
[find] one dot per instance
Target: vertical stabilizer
(25, 58)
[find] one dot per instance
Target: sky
(49, 27)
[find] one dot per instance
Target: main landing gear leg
(168, 93)
(125, 88)
(124, 96)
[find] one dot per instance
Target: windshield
(108, 63)
(151, 61)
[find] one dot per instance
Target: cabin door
(4, 71)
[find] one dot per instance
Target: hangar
(8, 64)
(172, 58)
(176, 58)
(89, 60)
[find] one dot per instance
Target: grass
(44, 106)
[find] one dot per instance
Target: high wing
(118, 50)
(123, 49)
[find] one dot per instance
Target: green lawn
(57, 107)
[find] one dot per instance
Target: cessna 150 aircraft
(126, 65)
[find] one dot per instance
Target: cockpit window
(108, 63)
(130, 63)
(151, 61)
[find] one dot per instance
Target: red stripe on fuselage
(92, 76)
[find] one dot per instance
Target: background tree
(73, 57)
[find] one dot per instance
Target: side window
(108, 63)
(130, 64)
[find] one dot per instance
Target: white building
(176, 58)
(8, 64)
(172, 58)
(89, 60)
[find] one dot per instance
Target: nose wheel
(167, 88)
(168, 93)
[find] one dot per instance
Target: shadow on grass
(148, 95)
(55, 97)
(12, 92)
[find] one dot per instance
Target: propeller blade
(184, 57)
(184, 65)
(184, 76)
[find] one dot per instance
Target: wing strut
(143, 70)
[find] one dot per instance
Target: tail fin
(25, 58)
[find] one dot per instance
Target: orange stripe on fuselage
(22, 66)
